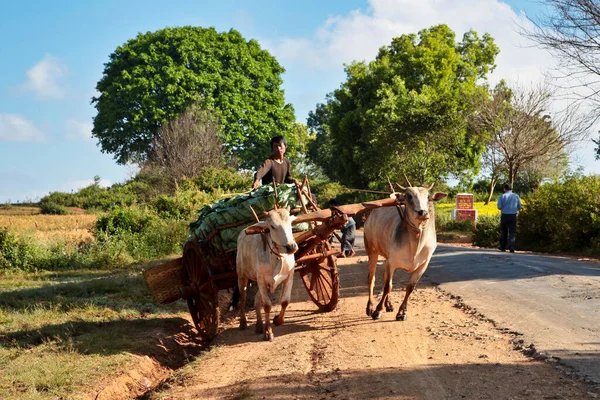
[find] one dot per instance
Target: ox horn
(254, 213)
(429, 187)
(401, 187)
(407, 181)
(390, 183)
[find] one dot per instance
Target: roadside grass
(64, 333)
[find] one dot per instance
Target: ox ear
(437, 196)
(259, 227)
(399, 197)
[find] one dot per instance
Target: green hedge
(486, 232)
(562, 216)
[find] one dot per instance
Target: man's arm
(500, 203)
(262, 171)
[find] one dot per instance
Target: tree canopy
(406, 111)
(154, 77)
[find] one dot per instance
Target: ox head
(416, 200)
(278, 225)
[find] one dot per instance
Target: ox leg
(285, 299)
(410, 286)
(242, 285)
(387, 288)
(371, 282)
(266, 303)
(258, 307)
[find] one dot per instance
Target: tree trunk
(492, 186)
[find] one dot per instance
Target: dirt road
(440, 352)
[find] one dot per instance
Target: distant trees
(406, 111)
(525, 135)
(153, 78)
(571, 29)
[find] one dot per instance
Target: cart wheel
(321, 281)
(203, 302)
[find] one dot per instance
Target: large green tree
(154, 77)
(406, 111)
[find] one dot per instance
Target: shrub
(15, 255)
(49, 207)
(133, 220)
(226, 179)
(487, 231)
(562, 216)
(445, 223)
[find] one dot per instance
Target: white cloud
(45, 78)
(358, 35)
(77, 130)
(14, 128)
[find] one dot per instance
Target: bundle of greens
(236, 211)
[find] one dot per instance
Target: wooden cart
(202, 271)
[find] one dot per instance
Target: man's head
(507, 186)
(333, 203)
(278, 145)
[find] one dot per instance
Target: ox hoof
(269, 337)
(370, 311)
(277, 321)
(389, 308)
(376, 314)
(401, 317)
(243, 325)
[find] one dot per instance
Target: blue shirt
(509, 202)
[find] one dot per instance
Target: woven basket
(165, 281)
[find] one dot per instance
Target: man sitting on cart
(277, 167)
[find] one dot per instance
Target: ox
(405, 236)
(268, 259)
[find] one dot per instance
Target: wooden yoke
(348, 209)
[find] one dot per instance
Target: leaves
(406, 111)
(154, 77)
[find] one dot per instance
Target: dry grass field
(26, 221)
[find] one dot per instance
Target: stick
(254, 213)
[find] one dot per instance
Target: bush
(562, 216)
(15, 255)
(487, 231)
(445, 223)
(49, 207)
(226, 179)
(133, 220)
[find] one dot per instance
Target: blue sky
(53, 55)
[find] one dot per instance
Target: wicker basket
(165, 281)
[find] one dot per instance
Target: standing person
(276, 167)
(509, 204)
(348, 234)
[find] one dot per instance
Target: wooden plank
(348, 209)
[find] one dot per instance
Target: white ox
(405, 236)
(268, 259)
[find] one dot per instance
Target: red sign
(463, 215)
(464, 201)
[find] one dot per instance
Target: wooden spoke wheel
(321, 280)
(203, 299)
